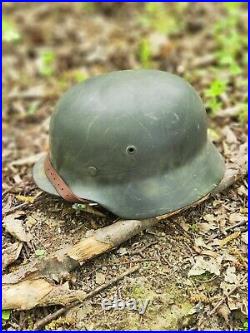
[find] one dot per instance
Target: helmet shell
(135, 141)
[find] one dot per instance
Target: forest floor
(187, 263)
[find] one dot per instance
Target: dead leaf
(224, 312)
(242, 190)
(244, 237)
(10, 254)
(27, 198)
(230, 275)
(237, 217)
(209, 218)
(236, 303)
(202, 266)
(100, 278)
(15, 227)
(205, 227)
(229, 238)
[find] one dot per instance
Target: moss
(170, 309)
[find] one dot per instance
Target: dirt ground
(187, 263)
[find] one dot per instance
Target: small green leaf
(6, 314)
(145, 55)
(80, 76)
(245, 326)
(243, 114)
(78, 206)
(47, 63)
(216, 88)
(33, 108)
(9, 31)
(40, 252)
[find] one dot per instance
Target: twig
(239, 224)
(227, 295)
(41, 323)
(13, 209)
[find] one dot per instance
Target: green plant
(33, 108)
(158, 16)
(229, 39)
(245, 326)
(145, 54)
(78, 206)
(79, 76)
(213, 93)
(9, 31)
(6, 315)
(88, 6)
(47, 63)
(40, 252)
(243, 114)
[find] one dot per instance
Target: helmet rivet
(131, 149)
(92, 170)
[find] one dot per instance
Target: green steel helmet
(134, 141)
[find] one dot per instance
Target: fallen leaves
(15, 227)
(202, 266)
(11, 253)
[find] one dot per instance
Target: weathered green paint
(134, 141)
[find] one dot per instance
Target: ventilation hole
(131, 149)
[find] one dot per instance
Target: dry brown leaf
(100, 278)
(229, 238)
(15, 227)
(224, 312)
(11, 253)
(237, 217)
(209, 218)
(230, 275)
(25, 198)
(244, 237)
(202, 266)
(199, 241)
(205, 227)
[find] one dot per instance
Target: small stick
(41, 323)
(226, 296)
(239, 224)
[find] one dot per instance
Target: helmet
(134, 141)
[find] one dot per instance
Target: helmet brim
(40, 177)
(155, 196)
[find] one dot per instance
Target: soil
(59, 44)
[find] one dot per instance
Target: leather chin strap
(59, 184)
